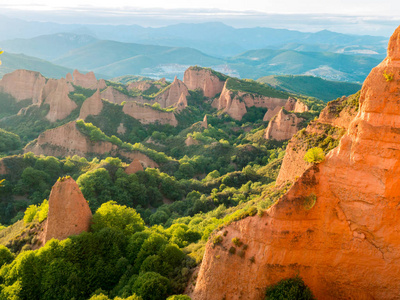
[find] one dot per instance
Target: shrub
(314, 155)
(179, 297)
(217, 240)
(289, 289)
(309, 201)
(237, 242)
(388, 77)
(232, 250)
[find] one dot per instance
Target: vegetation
(289, 289)
(251, 86)
(388, 76)
(314, 155)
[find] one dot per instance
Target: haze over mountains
(167, 51)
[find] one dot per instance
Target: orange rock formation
(295, 105)
(204, 123)
(203, 79)
(283, 126)
(24, 84)
(190, 141)
(182, 103)
(69, 213)
(115, 96)
(87, 80)
(146, 114)
(134, 167)
(337, 227)
(92, 106)
(171, 95)
(67, 140)
(60, 104)
(234, 104)
(271, 113)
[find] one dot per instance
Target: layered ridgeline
(337, 227)
(160, 151)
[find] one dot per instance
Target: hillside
(11, 62)
(311, 86)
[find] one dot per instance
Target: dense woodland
(149, 228)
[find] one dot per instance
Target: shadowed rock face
(61, 105)
(147, 114)
(134, 167)
(69, 212)
(203, 79)
(172, 94)
(338, 226)
(91, 106)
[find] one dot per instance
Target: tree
(119, 217)
(314, 155)
(1, 52)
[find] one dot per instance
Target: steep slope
(337, 227)
(282, 126)
(208, 81)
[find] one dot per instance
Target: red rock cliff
(203, 79)
(146, 114)
(170, 96)
(69, 213)
(23, 84)
(92, 106)
(338, 226)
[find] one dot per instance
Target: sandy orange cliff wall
(338, 226)
(333, 121)
(170, 96)
(203, 79)
(92, 106)
(283, 126)
(69, 213)
(146, 114)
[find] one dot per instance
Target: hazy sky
(358, 7)
(373, 17)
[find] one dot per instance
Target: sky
(374, 17)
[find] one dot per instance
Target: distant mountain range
(167, 51)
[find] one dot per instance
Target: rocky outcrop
(170, 96)
(92, 106)
(337, 227)
(324, 133)
(115, 96)
(67, 140)
(271, 113)
(121, 128)
(144, 160)
(181, 104)
(235, 103)
(23, 85)
(295, 105)
(204, 123)
(61, 105)
(3, 169)
(204, 80)
(139, 85)
(88, 80)
(283, 126)
(190, 141)
(148, 115)
(69, 213)
(134, 167)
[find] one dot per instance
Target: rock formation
(295, 105)
(203, 79)
(67, 140)
(190, 141)
(69, 213)
(92, 106)
(181, 104)
(332, 123)
(337, 227)
(139, 85)
(170, 96)
(204, 123)
(271, 113)
(283, 126)
(24, 84)
(115, 96)
(144, 160)
(235, 103)
(134, 167)
(88, 80)
(147, 114)
(61, 105)
(121, 128)
(3, 169)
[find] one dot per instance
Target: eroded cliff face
(61, 105)
(134, 167)
(67, 140)
(147, 115)
(203, 79)
(324, 132)
(337, 227)
(92, 106)
(24, 84)
(115, 96)
(171, 95)
(182, 103)
(88, 80)
(69, 213)
(295, 105)
(235, 103)
(283, 126)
